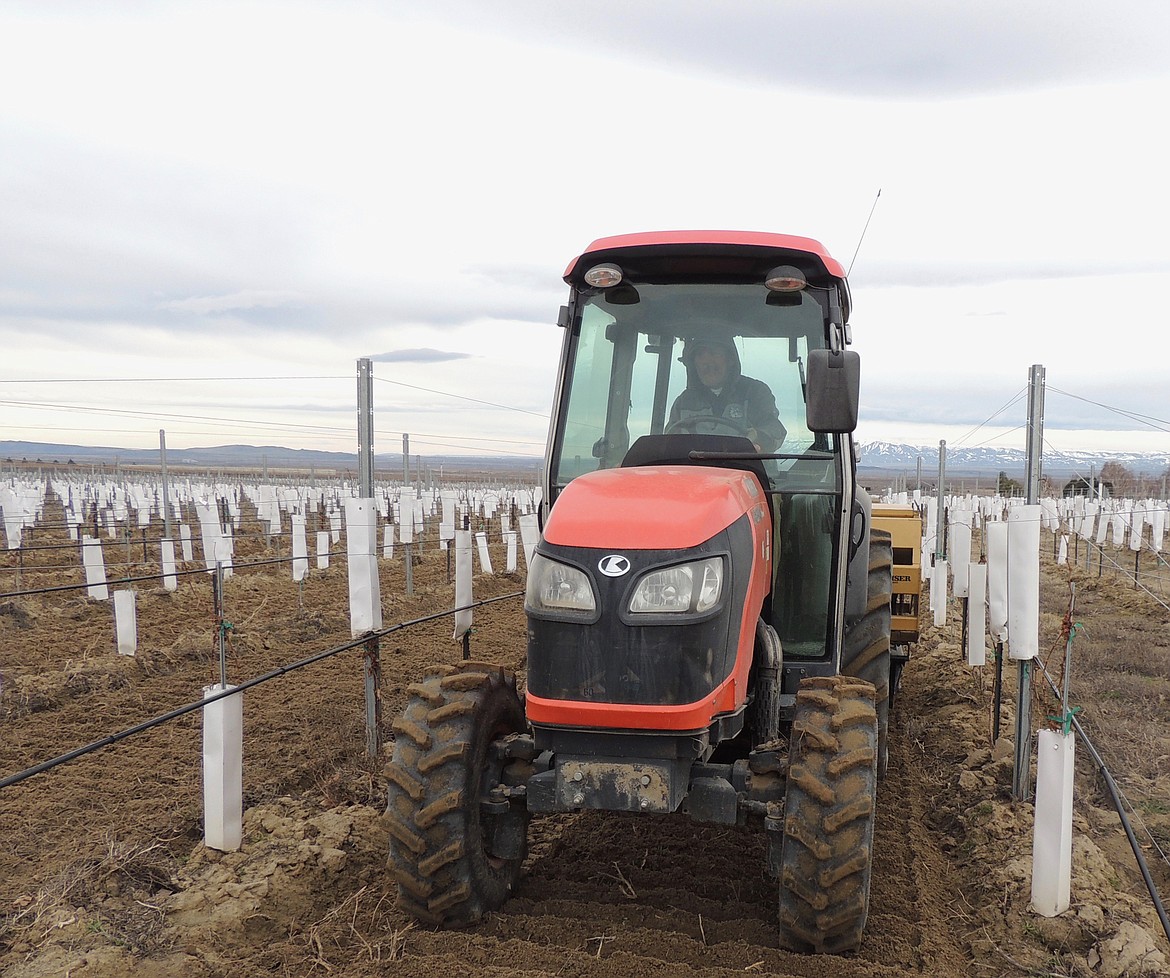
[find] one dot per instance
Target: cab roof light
(604, 276)
(785, 278)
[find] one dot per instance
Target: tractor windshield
(640, 364)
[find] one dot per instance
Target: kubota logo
(614, 565)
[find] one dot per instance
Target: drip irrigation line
(242, 687)
(1111, 785)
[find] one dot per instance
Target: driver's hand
(754, 436)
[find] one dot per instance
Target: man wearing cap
(719, 399)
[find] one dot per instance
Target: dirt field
(103, 872)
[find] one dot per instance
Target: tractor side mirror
(834, 388)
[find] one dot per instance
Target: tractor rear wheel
(827, 851)
(865, 651)
(456, 842)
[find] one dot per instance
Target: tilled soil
(103, 871)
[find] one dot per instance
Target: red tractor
(708, 607)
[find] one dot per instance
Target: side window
(585, 422)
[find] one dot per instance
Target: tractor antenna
(849, 271)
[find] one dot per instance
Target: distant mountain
(889, 457)
(256, 457)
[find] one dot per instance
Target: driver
(716, 389)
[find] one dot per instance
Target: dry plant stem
(627, 887)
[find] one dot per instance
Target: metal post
(371, 654)
(365, 419)
(1035, 432)
(1021, 775)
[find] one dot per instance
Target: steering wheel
(691, 424)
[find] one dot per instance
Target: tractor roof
(694, 243)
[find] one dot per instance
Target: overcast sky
(266, 192)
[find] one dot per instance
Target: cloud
(913, 49)
(418, 356)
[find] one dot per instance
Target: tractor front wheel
(457, 840)
(827, 851)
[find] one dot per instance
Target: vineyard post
(1021, 780)
(940, 536)
(938, 577)
(463, 586)
(1093, 497)
(166, 499)
(371, 656)
(959, 561)
(221, 626)
(998, 695)
(408, 542)
(267, 525)
(1052, 828)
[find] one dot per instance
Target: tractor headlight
(553, 586)
(691, 588)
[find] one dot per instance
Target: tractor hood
(652, 507)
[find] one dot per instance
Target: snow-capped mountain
(983, 459)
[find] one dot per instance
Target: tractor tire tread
(865, 650)
(828, 832)
(438, 855)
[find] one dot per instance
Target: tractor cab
(647, 314)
